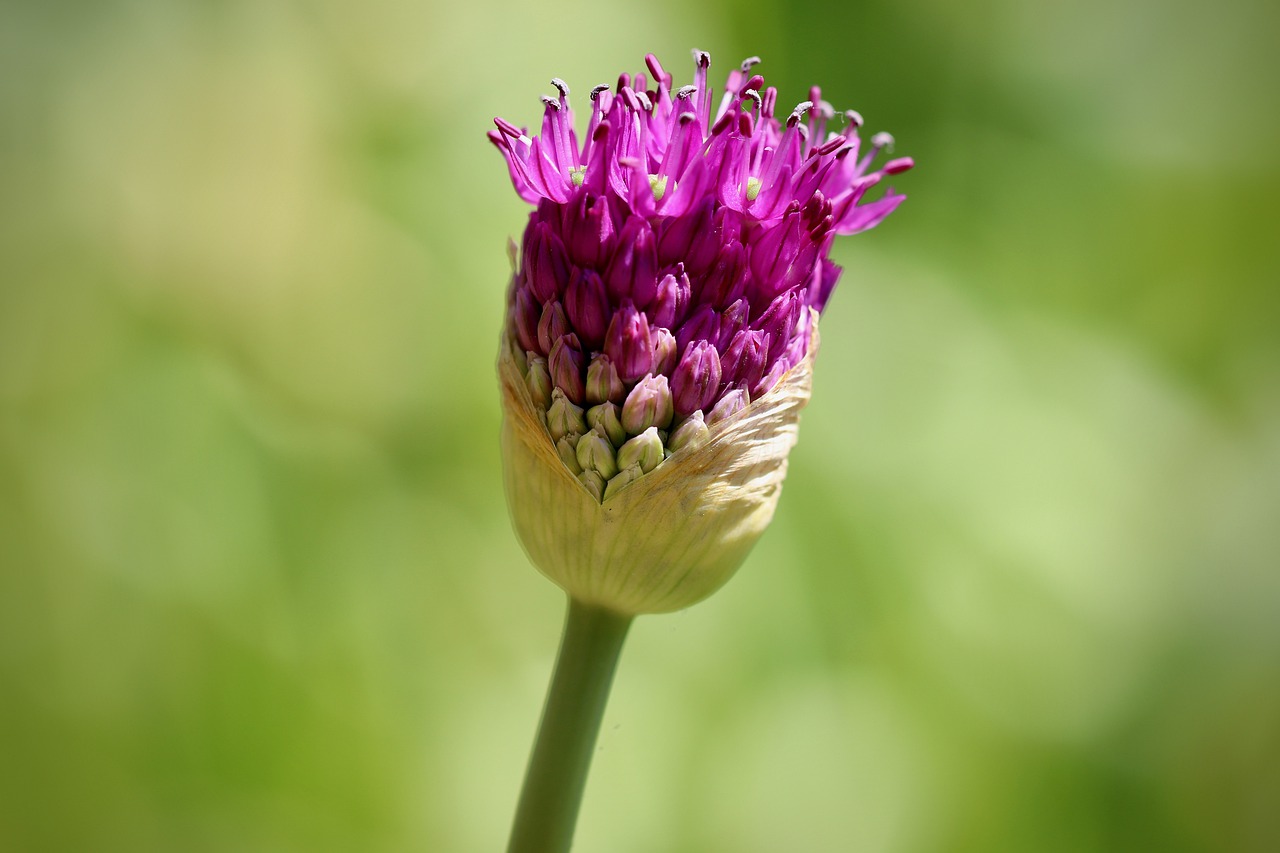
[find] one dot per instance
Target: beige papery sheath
(672, 537)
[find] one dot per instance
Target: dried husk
(674, 536)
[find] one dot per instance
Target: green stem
(567, 734)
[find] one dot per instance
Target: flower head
(673, 268)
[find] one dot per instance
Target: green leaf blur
(258, 589)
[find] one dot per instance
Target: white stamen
(798, 113)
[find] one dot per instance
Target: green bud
(621, 480)
(595, 453)
(691, 433)
(603, 382)
(644, 450)
(665, 352)
(518, 355)
(563, 416)
(539, 382)
(648, 404)
(605, 420)
(567, 447)
(594, 483)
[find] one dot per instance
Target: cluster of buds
(610, 433)
(668, 283)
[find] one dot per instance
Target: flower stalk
(661, 329)
(557, 772)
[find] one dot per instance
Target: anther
(643, 98)
(596, 90)
(561, 86)
(701, 58)
(749, 63)
(550, 101)
(895, 167)
(853, 117)
(685, 92)
(798, 113)
(686, 118)
(883, 140)
(755, 96)
(655, 68)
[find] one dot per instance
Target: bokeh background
(258, 591)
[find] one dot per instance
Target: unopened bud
(703, 325)
(664, 351)
(648, 404)
(672, 300)
(539, 381)
(697, 379)
(732, 320)
(552, 325)
(606, 420)
(628, 343)
(587, 306)
(595, 453)
(746, 358)
(518, 356)
(603, 382)
(546, 266)
(691, 433)
(567, 447)
(563, 417)
(621, 480)
(525, 312)
(632, 273)
(644, 450)
(594, 482)
(730, 404)
(565, 366)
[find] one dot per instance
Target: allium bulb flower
(662, 322)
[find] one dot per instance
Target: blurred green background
(258, 591)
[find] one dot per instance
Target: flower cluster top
(667, 274)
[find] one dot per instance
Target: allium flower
(662, 322)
